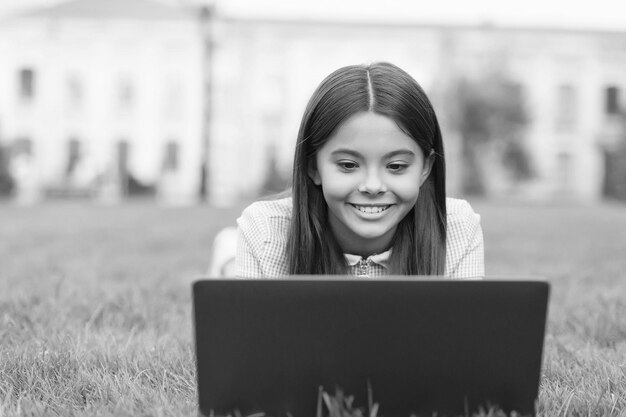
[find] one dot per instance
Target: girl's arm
(465, 249)
(262, 237)
(472, 262)
(246, 262)
(223, 253)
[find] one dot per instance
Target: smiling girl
(368, 195)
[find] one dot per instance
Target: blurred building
(98, 89)
(572, 83)
(103, 98)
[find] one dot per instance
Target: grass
(95, 304)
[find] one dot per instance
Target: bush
(490, 113)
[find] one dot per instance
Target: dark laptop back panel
(423, 346)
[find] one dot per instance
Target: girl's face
(370, 172)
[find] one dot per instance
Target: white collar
(381, 259)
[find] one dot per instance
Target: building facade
(103, 96)
(102, 89)
(572, 84)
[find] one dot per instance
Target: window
(564, 171)
(74, 154)
(123, 165)
(171, 158)
(27, 84)
(612, 100)
(566, 108)
(123, 151)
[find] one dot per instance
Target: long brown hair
(419, 243)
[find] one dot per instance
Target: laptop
(414, 346)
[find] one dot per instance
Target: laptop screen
(422, 345)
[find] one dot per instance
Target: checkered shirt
(264, 226)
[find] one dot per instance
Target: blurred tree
(7, 184)
(490, 115)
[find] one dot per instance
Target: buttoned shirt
(263, 230)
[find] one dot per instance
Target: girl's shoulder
(266, 220)
(280, 208)
(262, 238)
(462, 219)
(457, 207)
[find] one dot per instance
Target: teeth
(371, 209)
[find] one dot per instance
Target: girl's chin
(374, 241)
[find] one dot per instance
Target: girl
(368, 194)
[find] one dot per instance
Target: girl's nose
(372, 184)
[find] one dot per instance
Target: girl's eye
(347, 165)
(397, 167)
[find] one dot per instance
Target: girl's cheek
(408, 189)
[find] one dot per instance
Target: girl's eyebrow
(345, 151)
(406, 152)
(391, 154)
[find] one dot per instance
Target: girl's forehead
(369, 133)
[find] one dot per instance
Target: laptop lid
(424, 346)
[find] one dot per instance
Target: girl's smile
(370, 172)
(371, 209)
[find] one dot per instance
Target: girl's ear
(314, 175)
(428, 166)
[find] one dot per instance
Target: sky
(572, 14)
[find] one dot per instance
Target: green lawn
(95, 306)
